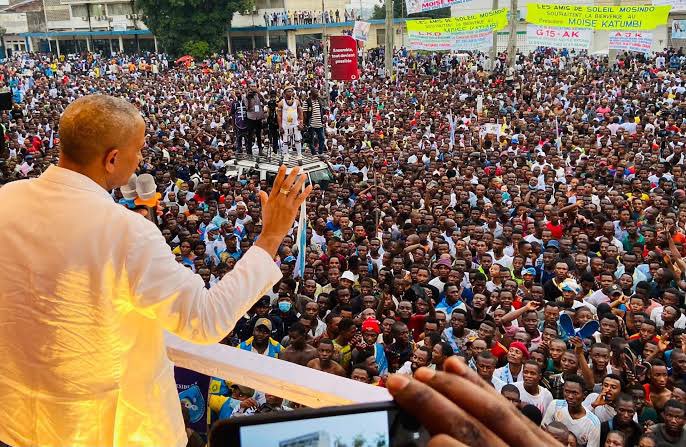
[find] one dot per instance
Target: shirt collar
(73, 179)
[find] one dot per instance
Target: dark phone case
(404, 430)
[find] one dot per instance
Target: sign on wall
(637, 41)
(415, 6)
(475, 40)
(491, 20)
(598, 17)
(553, 37)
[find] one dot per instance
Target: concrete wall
(14, 23)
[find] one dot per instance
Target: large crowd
(530, 220)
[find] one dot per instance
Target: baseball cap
(245, 390)
(569, 285)
(553, 244)
(266, 322)
(348, 275)
(529, 271)
(265, 301)
(371, 323)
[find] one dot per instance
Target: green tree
(178, 22)
(358, 441)
(199, 49)
(400, 11)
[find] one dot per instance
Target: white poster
(553, 37)
(677, 5)
(361, 30)
(679, 29)
(638, 41)
(491, 128)
(415, 6)
(119, 25)
(473, 40)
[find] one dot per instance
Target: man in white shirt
(530, 392)
(570, 412)
(82, 331)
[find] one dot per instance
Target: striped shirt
(315, 108)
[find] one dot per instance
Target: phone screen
(369, 428)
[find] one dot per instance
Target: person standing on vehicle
(290, 116)
(315, 116)
(240, 124)
(273, 122)
(255, 114)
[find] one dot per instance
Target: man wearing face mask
(283, 316)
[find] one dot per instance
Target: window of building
(267, 4)
(96, 10)
(119, 9)
(79, 11)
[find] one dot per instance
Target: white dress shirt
(85, 299)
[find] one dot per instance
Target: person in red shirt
(414, 321)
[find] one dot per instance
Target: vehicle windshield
(322, 177)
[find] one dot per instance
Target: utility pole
(325, 49)
(494, 49)
(512, 41)
(612, 54)
(388, 51)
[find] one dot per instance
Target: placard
(678, 29)
(193, 388)
(598, 17)
(361, 30)
(343, 58)
(637, 41)
(553, 37)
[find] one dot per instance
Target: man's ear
(110, 160)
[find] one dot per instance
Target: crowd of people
(531, 221)
(288, 17)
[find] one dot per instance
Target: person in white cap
(85, 311)
(290, 118)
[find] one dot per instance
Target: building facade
(316, 439)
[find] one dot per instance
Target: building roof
(25, 6)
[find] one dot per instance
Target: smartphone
(376, 424)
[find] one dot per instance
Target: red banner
(343, 58)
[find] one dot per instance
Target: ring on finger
(285, 191)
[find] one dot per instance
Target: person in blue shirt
(261, 342)
(451, 300)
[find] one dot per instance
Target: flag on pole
(301, 240)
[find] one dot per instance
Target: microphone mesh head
(146, 187)
(129, 190)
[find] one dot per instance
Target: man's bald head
(92, 125)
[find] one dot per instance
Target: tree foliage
(177, 22)
(199, 49)
(400, 11)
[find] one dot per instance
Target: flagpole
(301, 240)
